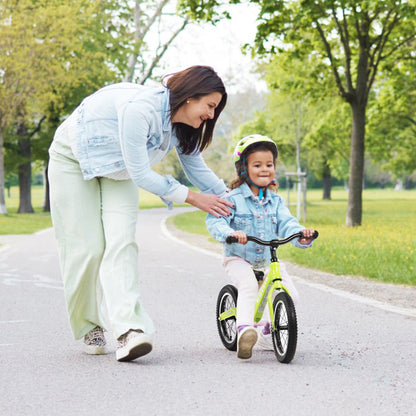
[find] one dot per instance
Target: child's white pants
(95, 224)
(242, 276)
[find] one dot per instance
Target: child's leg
(242, 277)
(290, 286)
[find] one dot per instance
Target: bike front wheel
(285, 334)
(226, 316)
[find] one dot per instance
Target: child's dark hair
(194, 82)
(241, 165)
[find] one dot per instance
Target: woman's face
(196, 110)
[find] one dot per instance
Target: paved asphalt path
(352, 358)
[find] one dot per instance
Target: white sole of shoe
(264, 345)
(246, 343)
(135, 348)
(95, 350)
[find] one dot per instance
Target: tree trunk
(356, 173)
(24, 171)
(46, 199)
(326, 179)
(407, 183)
(3, 209)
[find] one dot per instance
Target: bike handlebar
(274, 243)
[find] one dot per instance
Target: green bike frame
(272, 283)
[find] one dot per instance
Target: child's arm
(220, 227)
(287, 225)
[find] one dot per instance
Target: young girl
(261, 213)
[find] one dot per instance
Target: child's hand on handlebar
(307, 236)
(241, 235)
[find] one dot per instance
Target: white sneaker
(94, 342)
(246, 340)
(264, 341)
(133, 344)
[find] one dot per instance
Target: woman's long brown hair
(194, 82)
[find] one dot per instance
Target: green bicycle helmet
(240, 153)
(247, 141)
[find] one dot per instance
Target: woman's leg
(242, 277)
(76, 216)
(119, 267)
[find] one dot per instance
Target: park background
(331, 82)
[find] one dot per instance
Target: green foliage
(170, 165)
(53, 53)
(328, 139)
(350, 41)
(392, 120)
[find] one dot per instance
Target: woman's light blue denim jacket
(267, 220)
(127, 126)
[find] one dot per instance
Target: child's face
(260, 167)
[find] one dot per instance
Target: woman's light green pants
(95, 223)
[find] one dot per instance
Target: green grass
(14, 223)
(384, 248)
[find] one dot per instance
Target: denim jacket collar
(166, 123)
(248, 193)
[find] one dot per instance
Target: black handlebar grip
(314, 235)
(231, 239)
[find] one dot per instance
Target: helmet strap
(262, 189)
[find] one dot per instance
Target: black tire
(227, 329)
(285, 335)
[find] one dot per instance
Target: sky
(220, 47)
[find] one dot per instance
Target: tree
(392, 121)
(328, 141)
(293, 117)
(144, 17)
(51, 53)
(354, 40)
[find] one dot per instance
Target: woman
(99, 158)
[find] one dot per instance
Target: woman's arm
(210, 185)
(200, 175)
(210, 203)
(134, 127)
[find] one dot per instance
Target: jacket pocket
(243, 222)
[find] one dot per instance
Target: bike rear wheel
(285, 335)
(227, 327)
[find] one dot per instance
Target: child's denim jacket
(267, 220)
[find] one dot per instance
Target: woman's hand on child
(241, 235)
(307, 236)
(210, 203)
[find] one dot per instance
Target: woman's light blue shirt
(127, 126)
(267, 220)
